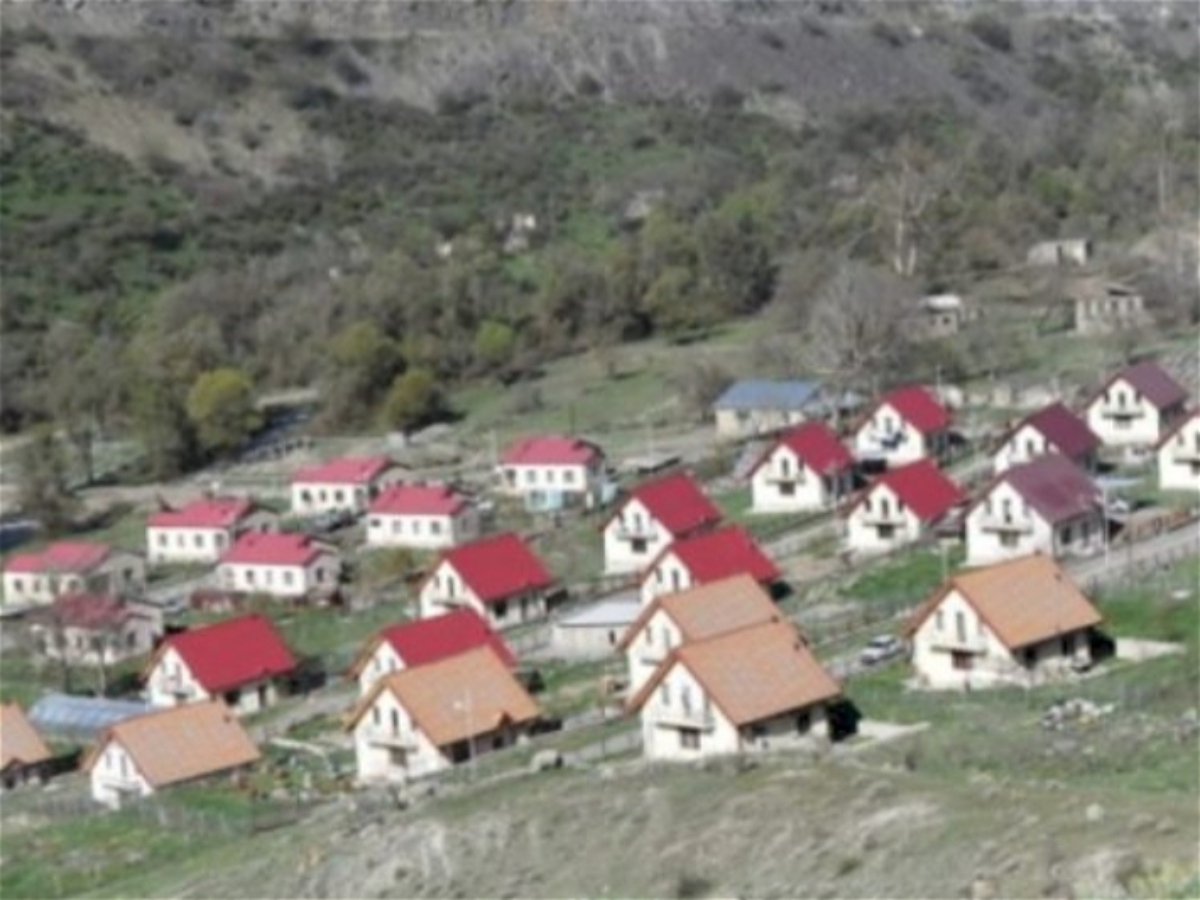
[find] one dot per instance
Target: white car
(880, 649)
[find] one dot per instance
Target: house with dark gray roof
(1137, 406)
(1052, 429)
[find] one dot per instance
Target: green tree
(220, 406)
(494, 342)
(415, 398)
(45, 486)
(362, 363)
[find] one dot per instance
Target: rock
(1166, 825)
(1094, 812)
(983, 889)
(546, 759)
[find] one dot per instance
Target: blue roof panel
(81, 716)
(795, 395)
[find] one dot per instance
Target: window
(249, 573)
(416, 526)
(787, 488)
(658, 575)
(803, 722)
(867, 503)
(569, 476)
(685, 698)
(287, 577)
(886, 532)
(180, 540)
(500, 609)
(939, 620)
(1067, 645)
(397, 525)
(322, 496)
(960, 626)
(435, 527)
(375, 715)
(375, 523)
(395, 720)
(1008, 539)
(549, 476)
(269, 577)
(785, 466)
(339, 496)
(198, 540)
(638, 545)
(884, 506)
(19, 585)
(960, 661)
(530, 476)
(665, 634)
(689, 738)
(664, 694)
(1123, 424)
(162, 540)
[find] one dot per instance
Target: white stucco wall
(172, 673)
(1142, 430)
(422, 532)
(201, 545)
(309, 498)
(863, 533)
(619, 555)
(115, 776)
(885, 420)
(661, 731)
(733, 423)
(578, 480)
(650, 647)
(810, 491)
(383, 661)
(280, 581)
(1080, 536)
(669, 576)
(120, 573)
(1179, 459)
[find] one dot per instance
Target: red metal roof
(273, 549)
(720, 554)
(1151, 381)
(61, 556)
(923, 488)
(418, 500)
(214, 512)
(916, 406)
(498, 567)
(428, 640)
(1063, 429)
(1054, 486)
(344, 470)
(676, 503)
(550, 450)
(817, 447)
(227, 654)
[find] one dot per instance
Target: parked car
(880, 649)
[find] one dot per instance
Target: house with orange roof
(427, 718)
(552, 471)
(23, 754)
(1179, 455)
(806, 468)
(1021, 621)
(348, 484)
(671, 620)
(200, 531)
(650, 517)
(904, 425)
(900, 507)
(752, 689)
(704, 558)
(66, 567)
(181, 744)
(421, 516)
(279, 564)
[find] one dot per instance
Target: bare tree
(912, 180)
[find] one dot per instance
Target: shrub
(889, 32)
(991, 31)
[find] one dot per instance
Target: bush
(890, 33)
(991, 31)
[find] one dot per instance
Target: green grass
(735, 505)
(1146, 608)
(911, 575)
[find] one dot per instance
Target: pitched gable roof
(180, 743)
(269, 548)
(424, 641)
(1023, 601)
(227, 654)
(676, 502)
(917, 406)
(1192, 416)
(1064, 430)
(922, 487)
(751, 395)
(497, 567)
(344, 470)
(208, 512)
(709, 609)
(750, 674)
(88, 611)
(1151, 381)
(418, 500)
(550, 450)
(714, 555)
(1053, 485)
(73, 557)
(20, 744)
(815, 445)
(455, 698)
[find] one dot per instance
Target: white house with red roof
(202, 530)
(240, 661)
(807, 468)
(281, 565)
(498, 577)
(900, 507)
(1137, 406)
(348, 483)
(422, 516)
(66, 567)
(1048, 505)
(95, 629)
(1179, 455)
(552, 471)
(654, 514)
(704, 558)
(424, 641)
(904, 425)
(1052, 429)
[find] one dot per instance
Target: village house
(202, 530)
(240, 661)
(425, 641)
(139, 756)
(1102, 307)
(427, 718)
(749, 408)
(498, 577)
(900, 507)
(1021, 621)
(1053, 429)
(66, 567)
(24, 756)
(347, 484)
(95, 629)
(1179, 455)
(280, 565)
(654, 514)
(553, 472)
(592, 631)
(807, 468)
(702, 558)
(1070, 251)
(424, 517)
(905, 425)
(1136, 407)
(939, 316)
(671, 620)
(752, 689)
(1047, 505)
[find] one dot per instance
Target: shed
(66, 717)
(592, 631)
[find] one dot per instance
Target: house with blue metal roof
(70, 718)
(748, 408)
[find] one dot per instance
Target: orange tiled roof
(751, 674)
(709, 609)
(181, 743)
(1023, 601)
(455, 698)
(19, 741)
